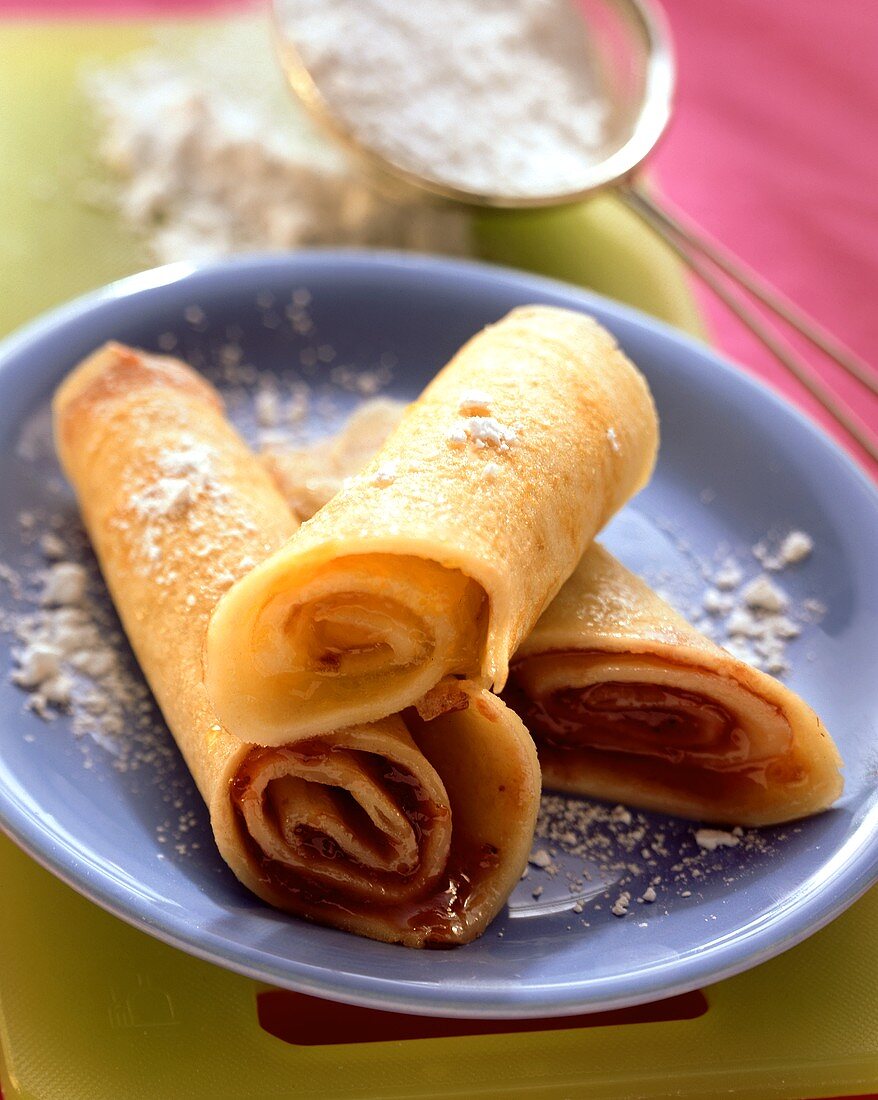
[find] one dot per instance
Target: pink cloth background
(773, 148)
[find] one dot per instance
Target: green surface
(55, 242)
(91, 1009)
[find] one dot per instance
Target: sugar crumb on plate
(711, 839)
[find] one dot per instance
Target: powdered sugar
(475, 402)
(753, 616)
(493, 99)
(728, 576)
(268, 408)
(482, 432)
(64, 585)
(757, 626)
(70, 657)
(385, 475)
(620, 905)
(540, 858)
(716, 602)
(193, 461)
(37, 663)
(185, 475)
(711, 839)
(761, 594)
(795, 547)
(51, 546)
(171, 497)
(588, 857)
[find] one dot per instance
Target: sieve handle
(711, 260)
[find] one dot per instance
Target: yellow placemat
(91, 1009)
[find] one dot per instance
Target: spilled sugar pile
(70, 653)
(71, 659)
(751, 616)
(616, 860)
(206, 167)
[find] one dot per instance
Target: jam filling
(641, 719)
(437, 912)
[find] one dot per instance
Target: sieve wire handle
(710, 260)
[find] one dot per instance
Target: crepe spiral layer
(629, 702)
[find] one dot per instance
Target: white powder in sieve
(489, 97)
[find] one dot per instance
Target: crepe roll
(438, 558)
(628, 702)
(401, 829)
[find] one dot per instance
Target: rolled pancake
(629, 702)
(437, 559)
(402, 830)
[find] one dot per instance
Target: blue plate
(735, 462)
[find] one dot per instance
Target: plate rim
(774, 934)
